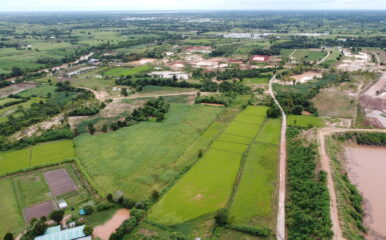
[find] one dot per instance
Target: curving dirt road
(280, 225)
(326, 166)
(324, 59)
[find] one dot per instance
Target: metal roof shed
(67, 234)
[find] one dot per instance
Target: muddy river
(366, 167)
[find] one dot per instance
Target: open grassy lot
(305, 121)
(332, 59)
(208, 185)
(146, 156)
(121, 71)
(334, 103)
(308, 55)
(38, 155)
(11, 219)
(262, 80)
(32, 189)
(40, 91)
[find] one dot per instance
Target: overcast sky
(127, 5)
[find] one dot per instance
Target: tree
(105, 127)
(88, 209)
(57, 216)
(8, 236)
(273, 112)
(88, 230)
(124, 92)
(16, 71)
(91, 128)
(155, 195)
(222, 217)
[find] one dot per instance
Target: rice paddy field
(38, 155)
(209, 184)
(11, 219)
(147, 156)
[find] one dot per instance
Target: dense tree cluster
(308, 206)
(87, 110)
(217, 99)
(365, 138)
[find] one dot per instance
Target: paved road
(280, 226)
(326, 166)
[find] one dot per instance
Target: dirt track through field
(280, 226)
(104, 231)
(326, 166)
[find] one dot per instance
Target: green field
(40, 91)
(263, 80)
(254, 199)
(305, 121)
(208, 185)
(146, 156)
(121, 71)
(308, 55)
(38, 155)
(32, 189)
(5, 112)
(11, 219)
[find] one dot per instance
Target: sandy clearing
(104, 231)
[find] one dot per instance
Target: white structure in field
(62, 204)
(167, 74)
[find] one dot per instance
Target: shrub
(222, 217)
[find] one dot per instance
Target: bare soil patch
(307, 76)
(59, 182)
(16, 88)
(39, 210)
(104, 231)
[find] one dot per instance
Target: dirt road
(324, 59)
(326, 166)
(280, 226)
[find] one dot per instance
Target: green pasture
(38, 155)
(126, 71)
(147, 156)
(262, 80)
(40, 91)
(32, 189)
(208, 185)
(305, 121)
(11, 219)
(310, 55)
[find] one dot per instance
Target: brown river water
(366, 166)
